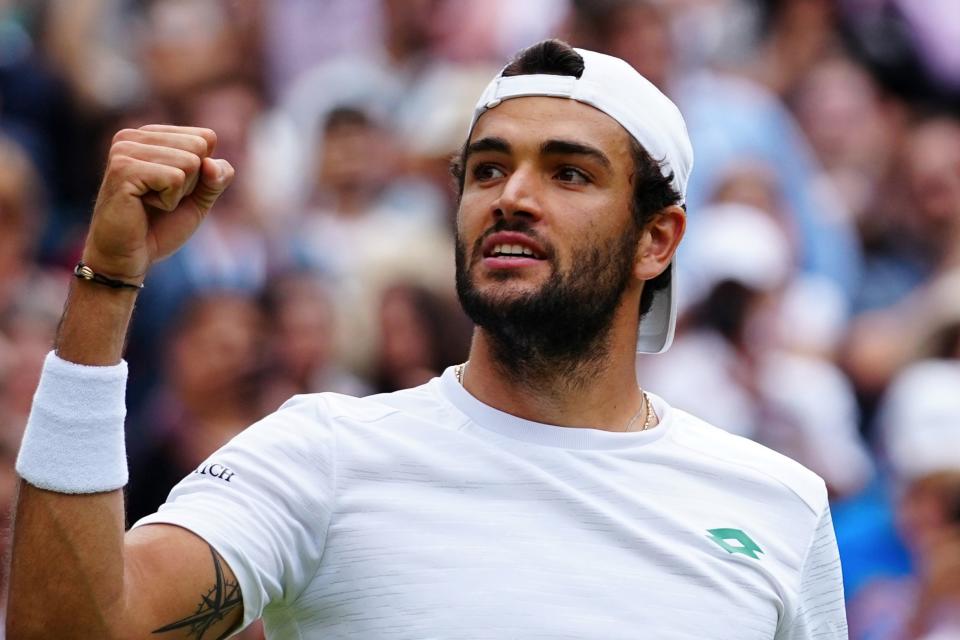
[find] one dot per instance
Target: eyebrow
(550, 147)
(568, 147)
(487, 144)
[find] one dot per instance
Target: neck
(596, 392)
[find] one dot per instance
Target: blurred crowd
(820, 275)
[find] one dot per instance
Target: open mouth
(511, 248)
(513, 251)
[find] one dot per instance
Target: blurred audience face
(638, 31)
(356, 159)
(839, 108)
(407, 350)
(214, 351)
(29, 336)
(188, 42)
(230, 107)
(19, 211)
(302, 328)
(930, 509)
(28, 325)
(932, 161)
(411, 27)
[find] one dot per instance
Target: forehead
(534, 119)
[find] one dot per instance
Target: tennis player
(536, 491)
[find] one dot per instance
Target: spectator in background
(733, 118)
(36, 109)
(364, 231)
(812, 310)
(21, 220)
(189, 43)
(30, 295)
(27, 328)
(909, 46)
(408, 83)
(200, 402)
(920, 423)
(854, 127)
(731, 364)
(300, 342)
(919, 261)
(420, 333)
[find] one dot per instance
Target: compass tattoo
(222, 598)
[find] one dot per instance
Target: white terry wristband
(74, 440)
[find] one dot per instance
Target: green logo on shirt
(725, 538)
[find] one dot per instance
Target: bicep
(178, 586)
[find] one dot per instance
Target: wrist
(83, 271)
(124, 271)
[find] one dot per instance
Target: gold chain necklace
(645, 406)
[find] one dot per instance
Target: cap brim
(656, 327)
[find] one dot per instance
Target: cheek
(473, 218)
(474, 203)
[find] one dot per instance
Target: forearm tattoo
(222, 598)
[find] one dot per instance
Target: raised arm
(74, 573)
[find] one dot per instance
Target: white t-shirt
(428, 514)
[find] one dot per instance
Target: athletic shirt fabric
(428, 514)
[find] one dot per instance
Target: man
(535, 492)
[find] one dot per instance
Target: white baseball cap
(615, 88)
(735, 242)
(920, 419)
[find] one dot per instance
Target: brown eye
(572, 175)
(485, 171)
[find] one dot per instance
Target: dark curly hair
(652, 190)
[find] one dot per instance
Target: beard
(559, 332)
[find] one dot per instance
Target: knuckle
(119, 164)
(191, 144)
(193, 163)
(123, 135)
(178, 178)
(122, 148)
(200, 146)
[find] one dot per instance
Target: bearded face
(564, 322)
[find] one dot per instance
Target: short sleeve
(263, 501)
(821, 613)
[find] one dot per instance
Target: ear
(659, 242)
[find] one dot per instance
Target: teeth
(512, 250)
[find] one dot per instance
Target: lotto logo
(743, 543)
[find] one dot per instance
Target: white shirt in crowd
(428, 514)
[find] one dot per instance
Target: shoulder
(739, 458)
(418, 401)
(331, 409)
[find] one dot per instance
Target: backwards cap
(615, 88)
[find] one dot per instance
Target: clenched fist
(160, 182)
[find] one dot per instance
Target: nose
(520, 196)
